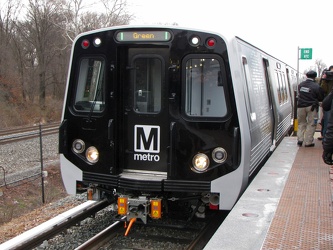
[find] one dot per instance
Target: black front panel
(150, 105)
(145, 114)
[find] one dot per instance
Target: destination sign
(143, 36)
(306, 54)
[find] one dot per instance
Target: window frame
(184, 90)
(162, 80)
(102, 76)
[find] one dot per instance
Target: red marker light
(211, 42)
(85, 44)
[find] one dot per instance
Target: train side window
(278, 88)
(90, 85)
(282, 88)
(248, 82)
(283, 76)
(204, 88)
(147, 84)
(268, 81)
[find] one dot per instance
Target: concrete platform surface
(287, 206)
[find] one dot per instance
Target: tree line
(35, 42)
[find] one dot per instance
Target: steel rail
(24, 134)
(27, 128)
(49, 229)
(207, 232)
(102, 237)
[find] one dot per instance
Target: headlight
(78, 146)
(92, 154)
(219, 155)
(200, 162)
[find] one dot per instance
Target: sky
(277, 27)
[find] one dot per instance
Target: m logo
(147, 139)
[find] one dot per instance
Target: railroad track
(103, 237)
(49, 229)
(28, 132)
(191, 237)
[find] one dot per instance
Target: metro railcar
(160, 119)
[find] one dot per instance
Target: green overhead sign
(306, 54)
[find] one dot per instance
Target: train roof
(227, 36)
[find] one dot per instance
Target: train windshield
(89, 91)
(204, 89)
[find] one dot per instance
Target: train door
(268, 81)
(145, 110)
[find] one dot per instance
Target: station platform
(287, 206)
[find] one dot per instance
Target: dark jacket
(328, 139)
(326, 85)
(309, 93)
(326, 104)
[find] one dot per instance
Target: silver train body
(181, 116)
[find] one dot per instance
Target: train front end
(150, 123)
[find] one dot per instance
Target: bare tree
(80, 19)
(320, 66)
(8, 13)
(115, 13)
(39, 31)
(35, 48)
(25, 57)
(74, 9)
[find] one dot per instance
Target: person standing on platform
(309, 96)
(327, 106)
(326, 82)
